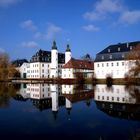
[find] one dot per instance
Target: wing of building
(112, 61)
(21, 65)
(74, 66)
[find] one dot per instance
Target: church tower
(54, 61)
(67, 54)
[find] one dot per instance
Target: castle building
(75, 66)
(113, 62)
(48, 64)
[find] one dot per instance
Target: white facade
(23, 70)
(68, 56)
(54, 64)
(38, 70)
(113, 61)
(69, 73)
(115, 69)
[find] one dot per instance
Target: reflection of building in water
(38, 91)
(47, 94)
(74, 93)
(54, 95)
(117, 93)
(117, 102)
(22, 94)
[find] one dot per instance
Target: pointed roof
(54, 47)
(79, 64)
(68, 48)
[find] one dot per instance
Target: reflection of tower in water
(54, 95)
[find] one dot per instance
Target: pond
(69, 112)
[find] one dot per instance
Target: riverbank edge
(74, 81)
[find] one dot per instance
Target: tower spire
(54, 47)
(68, 48)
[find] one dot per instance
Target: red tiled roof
(79, 64)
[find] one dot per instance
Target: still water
(70, 112)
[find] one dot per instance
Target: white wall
(23, 69)
(54, 64)
(38, 70)
(68, 73)
(116, 69)
(68, 56)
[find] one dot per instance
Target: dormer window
(102, 57)
(122, 55)
(108, 50)
(110, 56)
(130, 47)
(119, 49)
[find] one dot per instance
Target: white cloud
(2, 50)
(92, 16)
(6, 3)
(102, 8)
(130, 17)
(28, 24)
(105, 6)
(51, 32)
(90, 28)
(30, 44)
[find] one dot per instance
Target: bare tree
(134, 63)
(6, 68)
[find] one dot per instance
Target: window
(117, 63)
(102, 57)
(119, 49)
(111, 64)
(107, 64)
(42, 89)
(42, 65)
(110, 56)
(122, 63)
(112, 98)
(108, 50)
(102, 64)
(97, 65)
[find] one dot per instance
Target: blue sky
(87, 25)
